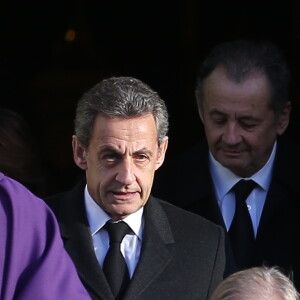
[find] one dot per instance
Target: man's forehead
(239, 73)
(219, 88)
(124, 128)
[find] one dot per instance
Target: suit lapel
(273, 208)
(156, 252)
(282, 186)
(78, 242)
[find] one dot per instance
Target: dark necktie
(114, 266)
(241, 231)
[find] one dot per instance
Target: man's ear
(161, 152)
(201, 114)
(79, 153)
(284, 119)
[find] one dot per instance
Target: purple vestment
(33, 262)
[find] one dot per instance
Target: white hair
(261, 283)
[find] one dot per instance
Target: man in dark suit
(243, 100)
(120, 140)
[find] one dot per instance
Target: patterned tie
(114, 266)
(241, 230)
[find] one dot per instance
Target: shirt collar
(224, 179)
(97, 217)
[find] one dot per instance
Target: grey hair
(256, 283)
(124, 97)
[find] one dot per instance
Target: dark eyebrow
(116, 150)
(108, 148)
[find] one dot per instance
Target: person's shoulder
(56, 197)
(187, 219)
(22, 208)
(287, 162)
(17, 193)
(288, 150)
(11, 185)
(288, 145)
(191, 231)
(55, 200)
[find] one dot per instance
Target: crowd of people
(218, 222)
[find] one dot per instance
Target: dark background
(160, 42)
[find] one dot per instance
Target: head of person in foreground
(258, 283)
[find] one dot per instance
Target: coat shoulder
(189, 224)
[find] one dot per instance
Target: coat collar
(284, 188)
(158, 239)
(78, 242)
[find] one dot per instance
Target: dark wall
(160, 42)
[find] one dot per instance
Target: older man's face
(240, 126)
(120, 162)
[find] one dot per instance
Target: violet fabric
(33, 262)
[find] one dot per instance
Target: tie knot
(117, 231)
(243, 188)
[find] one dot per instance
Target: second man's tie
(241, 231)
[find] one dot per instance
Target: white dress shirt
(224, 180)
(131, 244)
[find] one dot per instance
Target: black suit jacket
(182, 255)
(278, 232)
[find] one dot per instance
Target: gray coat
(182, 255)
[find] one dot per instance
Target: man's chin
(119, 212)
(233, 164)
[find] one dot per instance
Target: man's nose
(232, 134)
(125, 173)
